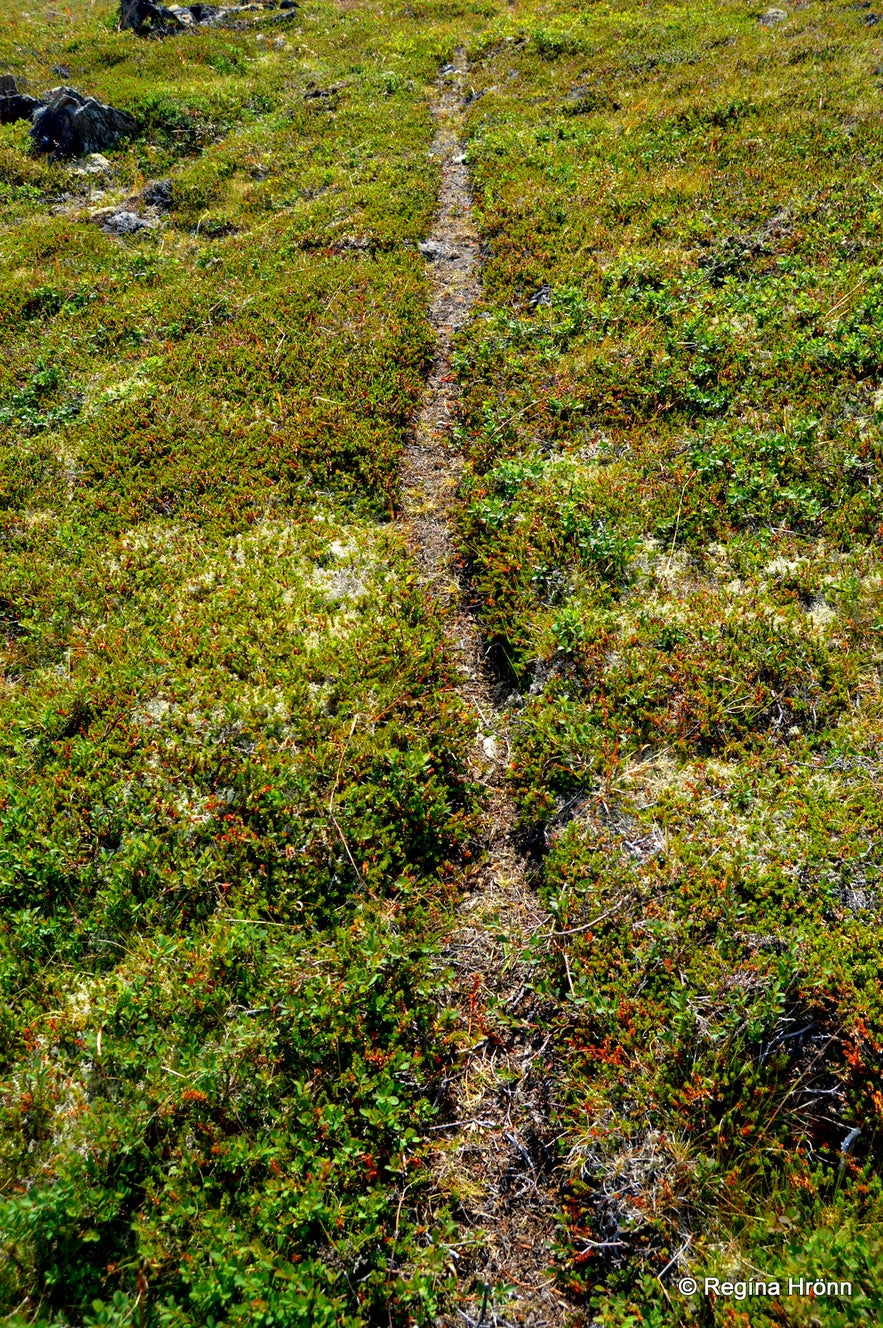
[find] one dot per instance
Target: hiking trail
(496, 1157)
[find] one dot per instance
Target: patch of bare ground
(495, 1161)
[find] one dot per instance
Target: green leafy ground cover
(672, 513)
(234, 797)
(232, 786)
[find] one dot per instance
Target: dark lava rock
(18, 107)
(123, 223)
(71, 125)
(325, 98)
(148, 19)
(157, 194)
(14, 105)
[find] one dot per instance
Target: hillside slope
(248, 788)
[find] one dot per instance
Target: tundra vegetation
(235, 801)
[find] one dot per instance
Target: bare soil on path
(496, 1157)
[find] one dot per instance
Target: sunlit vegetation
(233, 787)
(672, 513)
(232, 779)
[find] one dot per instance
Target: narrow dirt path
(496, 1156)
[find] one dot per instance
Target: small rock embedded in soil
(95, 164)
(157, 194)
(772, 16)
(433, 250)
(71, 125)
(490, 747)
(123, 223)
(325, 99)
(156, 198)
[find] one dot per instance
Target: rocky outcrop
(149, 19)
(14, 105)
(71, 125)
(64, 122)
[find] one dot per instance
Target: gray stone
(541, 296)
(157, 194)
(123, 223)
(433, 250)
(772, 16)
(71, 125)
(183, 15)
(95, 164)
(148, 19)
(14, 105)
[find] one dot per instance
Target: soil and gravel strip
(495, 1160)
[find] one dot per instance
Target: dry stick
(587, 926)
(674, 1258)
(515, 416)
(567, 971)
(399, 1211)
(844, 299)
(346, 847)
(334, 819)
(671, 552)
